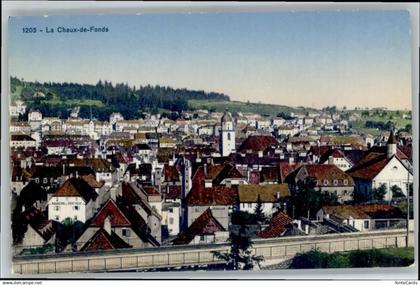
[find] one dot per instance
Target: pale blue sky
(303, 58)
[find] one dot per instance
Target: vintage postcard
(211, 141)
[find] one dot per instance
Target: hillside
(100, 100)
(245, 107)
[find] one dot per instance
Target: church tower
(227, 135)
(391, 145)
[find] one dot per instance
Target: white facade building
(227, 135)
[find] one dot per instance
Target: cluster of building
(155, 181)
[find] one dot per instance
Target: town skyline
(320, 59)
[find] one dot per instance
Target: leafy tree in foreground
(379, 193)
(396, 191)
(240, 256)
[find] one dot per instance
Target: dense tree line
(379, 125)
(121, 97)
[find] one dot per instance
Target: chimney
(205, 169)
(107, 225)
(208, 183)
(330, 159)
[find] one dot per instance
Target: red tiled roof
(257, 143)
(228, 171)
(277, 226)
(216, 195)
(205, 224)
(285, 169)
(367, 170)
(151, 191)
(118, 219)
(330, 172)
(171, 173)
(102, 240)
(173, 192)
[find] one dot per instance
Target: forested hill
(104, 98)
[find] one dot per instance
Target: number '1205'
(29, 30)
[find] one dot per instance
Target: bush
(311, 259)
(357, 259)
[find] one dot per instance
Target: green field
(393, 116)
(236, 106)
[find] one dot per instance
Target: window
(228, 136)
(57, 218)
(366, 224)
(76, 208)
(75, 217)
(335, 182)
(345, 182)
(126, 232)
(201, 238)
(171, 221)
(45, 180)
(325, 182)
(57, 208)
(36, 180)
(171, 210)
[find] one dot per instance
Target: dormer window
(345, 182)
(325, 182)
(335, 182)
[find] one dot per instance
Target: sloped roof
(173, 192)
(151, 191)
(199, 195)
(205, 224)
(277, 226)
(171, 173)
(257, 143)
(91, 180)
(375, 211)
(369, 167)
(286, 168)
(228, 171)
(345, 211)
(76, 187)
(248, 193)
(102, 240)
(334, 152)
(110, 209)
(21, 137)
(329, 172)
(97, 164)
